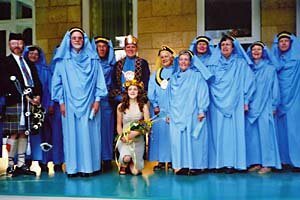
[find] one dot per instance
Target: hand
(156, 110)
(168, 120)
(246, 108)
(51, 110)
(96, 106)
(36, 100)
(123, 139)
(133, 134)
(201, 117)
(62, 109)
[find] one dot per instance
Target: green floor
(161, 185)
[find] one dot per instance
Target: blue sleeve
(202, 95)
(56, 85)
(249, 84)
(152, 91)
(275, 92)
(101, 90)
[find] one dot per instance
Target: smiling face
(102, 49)
(130, 50)
(284, 44)
(77, 40)
(256, 52)
(166, 58)
(133, 91)
(33, 56)
(16, 46)
(226, 48)
(184, 62)
(201, 47)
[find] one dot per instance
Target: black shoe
(58, 168)
(28, 162)
(85, 175)
(10, 171)
(183, 171)
(96, 173)
(195, 172)
(159, 166)
(230, 170)
(107, 166)
(44, 167)
(295, 169)
(24, 170)
(219, 170)
(73, 175)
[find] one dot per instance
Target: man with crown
(129, 68)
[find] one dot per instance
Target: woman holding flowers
(132, 113)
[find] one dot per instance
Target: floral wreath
(129, 83)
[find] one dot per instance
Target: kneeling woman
(188, 103)
(131, 145)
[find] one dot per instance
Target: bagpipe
(32, 115)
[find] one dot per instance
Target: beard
(17, 50)
(77, 46)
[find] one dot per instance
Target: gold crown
(130, 39)
(129, 83)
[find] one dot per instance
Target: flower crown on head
(129, 83)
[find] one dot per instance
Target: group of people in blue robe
(237, 114)
(216, 108)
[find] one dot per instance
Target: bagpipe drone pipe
(32, 115)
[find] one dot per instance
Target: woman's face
(226, 48)
(33, 56)
(166, 58)
(257, 52)
(184, 62)
(133, 91)
(201, 47)
(77, 40)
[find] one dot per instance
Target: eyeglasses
(15, 43)
(76, 38)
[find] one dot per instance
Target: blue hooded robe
(107, 112)
(159, 140)
(205, 57)
(45, 79)
(288, 126)
(188, 97)
(232, 88)
(53, 127)
(78, 82)
(261, 138)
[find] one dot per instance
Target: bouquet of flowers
(142, 126)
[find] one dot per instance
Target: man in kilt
(22, 73)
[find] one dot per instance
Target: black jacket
(9, 67)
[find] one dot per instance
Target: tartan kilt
(11, 123)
